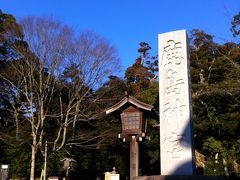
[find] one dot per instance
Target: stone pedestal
(180, 178)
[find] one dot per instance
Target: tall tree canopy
(215, 72)
(143, 71)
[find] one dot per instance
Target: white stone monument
(176, 140)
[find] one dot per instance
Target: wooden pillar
(134, 157)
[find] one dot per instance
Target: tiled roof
(132, 101)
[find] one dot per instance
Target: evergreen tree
(215, 90)
(143, 71)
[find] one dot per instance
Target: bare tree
(58, 61)
(91, 60)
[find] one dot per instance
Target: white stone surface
(176, 145)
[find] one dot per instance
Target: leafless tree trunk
(55, 50)
(55, 60)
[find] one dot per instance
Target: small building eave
(132, 101)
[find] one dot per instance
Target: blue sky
(126, 23)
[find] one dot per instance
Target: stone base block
(180, 177)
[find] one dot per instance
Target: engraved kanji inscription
(174, 146)
(173, 113)
(172, 54)
(174, 83)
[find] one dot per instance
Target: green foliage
(215, 90)
(214, 169)
(150, 150)
(18, 159)
(149, 95)
(11, 36)
(9, 29)
(213, 146)
(54, 163)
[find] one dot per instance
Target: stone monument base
(180, 177)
